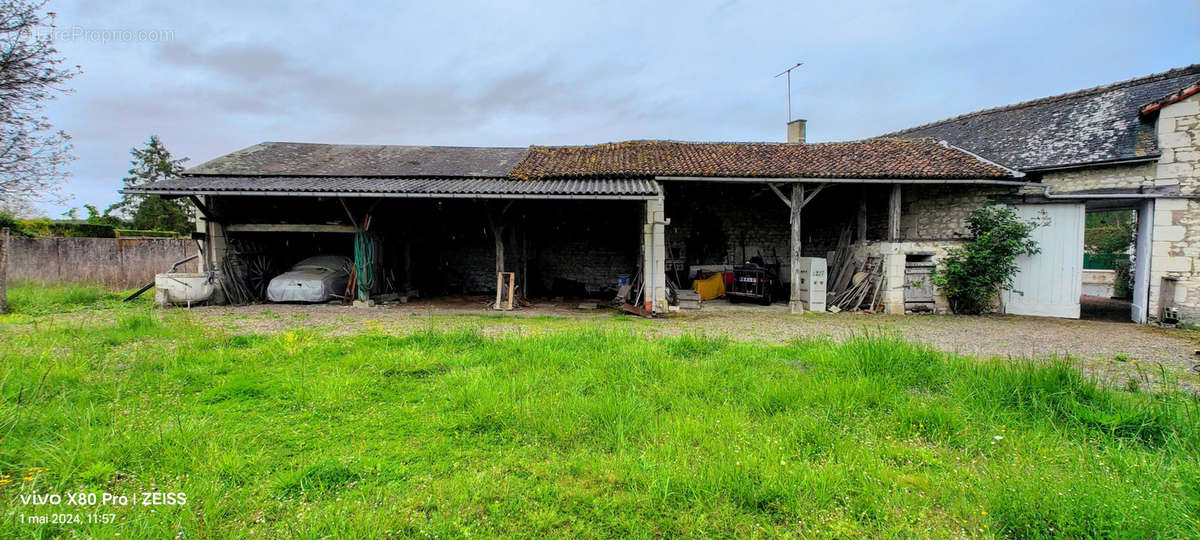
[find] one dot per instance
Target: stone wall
(1178, 132)
(730, 224)
(895, 256)
(939, 212)
(1176, 246)
(1176, 233)
(590, 242)
(121, 263)
(721, 224)
(1106, 177)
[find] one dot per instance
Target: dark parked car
(753, 281)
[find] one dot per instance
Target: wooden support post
(512, 279)
(894, 214)
(794, 304)
(3, 270)
(497, 225)
(862, 215)
(204, 210)
(499, 289)
(505, 289)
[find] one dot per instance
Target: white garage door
(1049, 283)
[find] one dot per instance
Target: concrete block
(1172, 264)
(1166, 124)
(1187, 107)
(1177, 169)
(1170, 233)
(1170, 204)
(1190, 156)
(1175, 139)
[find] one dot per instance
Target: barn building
(580, 220)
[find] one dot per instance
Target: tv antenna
(788, 72)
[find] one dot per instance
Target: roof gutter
(793, 180)
(1118, 161)
(1046, 193)
(386, 195)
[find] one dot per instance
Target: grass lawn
(566, 431)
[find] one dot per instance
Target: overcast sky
(210, 80)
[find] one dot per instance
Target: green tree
(972, 276)
(96, 218)
(153, 163)
(1109, 232)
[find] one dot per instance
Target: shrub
(972, 276)
(12, 224)
(147, 234)
(1123, 280)
(46, 227)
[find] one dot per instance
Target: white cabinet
(813, 275)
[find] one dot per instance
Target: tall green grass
(589, 433)
(33, 299)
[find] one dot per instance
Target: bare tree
(32, 152)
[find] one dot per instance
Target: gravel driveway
(1114, 352)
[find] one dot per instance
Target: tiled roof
(873, 158)
(408, 186)
(309, 159)
(1088, 126)
(1152, 108)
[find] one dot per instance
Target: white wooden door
(1049, 284)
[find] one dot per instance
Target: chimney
(796, 131)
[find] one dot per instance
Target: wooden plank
(794, 305)
(814, 193)
(894, 214)
(780, 194)
(289, 227)
(511, 282)
(204, 210)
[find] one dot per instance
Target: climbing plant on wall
(973, 275)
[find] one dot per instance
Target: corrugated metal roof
(402, 186)
(312, 159)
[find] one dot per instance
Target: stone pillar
(1176, 228)
(654, 256)
(215, 246)
(794, 304)
(1169, 256)
(893, 273)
